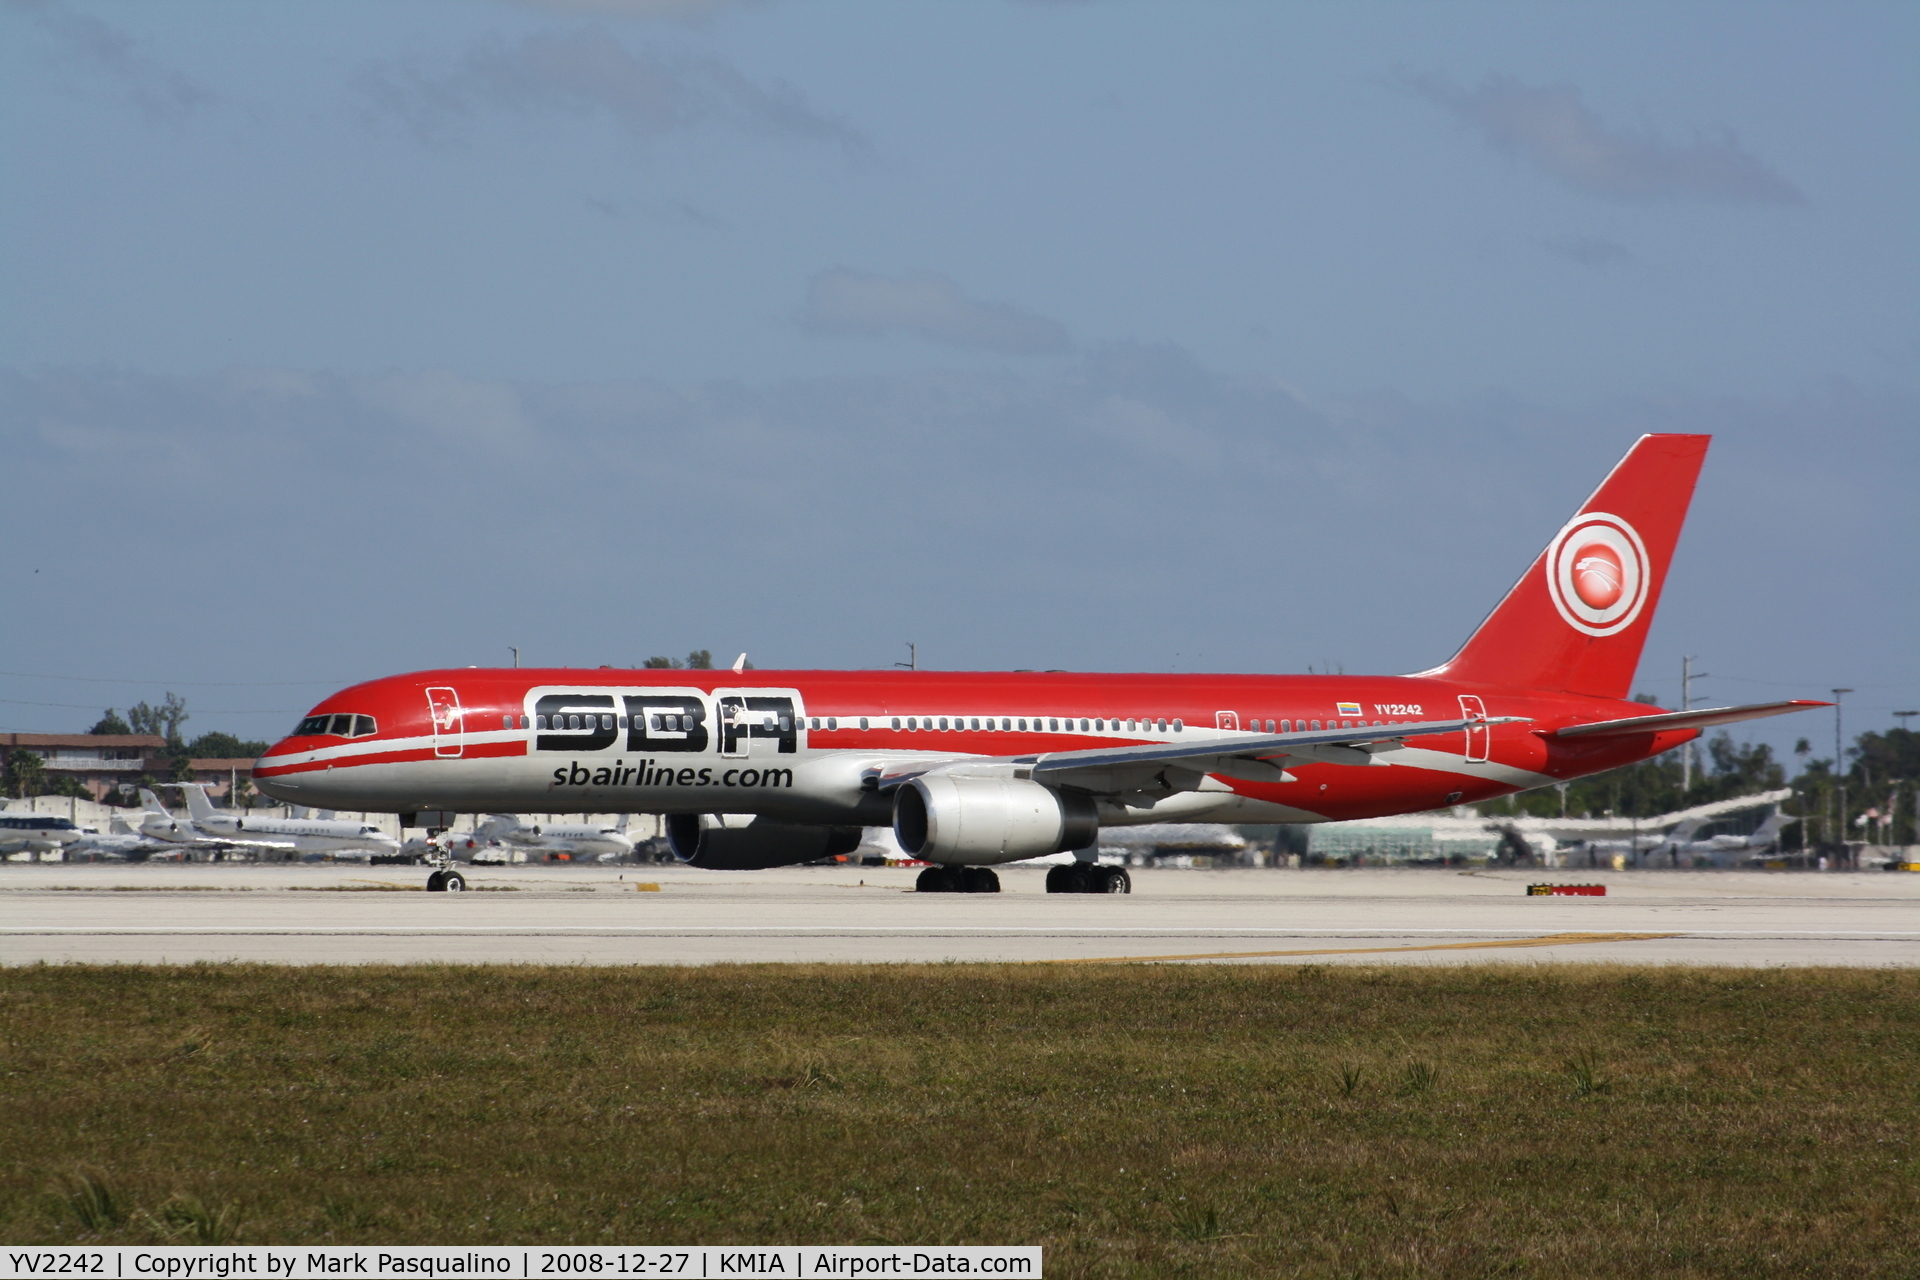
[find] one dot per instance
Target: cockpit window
(343, 725)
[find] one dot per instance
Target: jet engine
(742, 842)
(977, 821)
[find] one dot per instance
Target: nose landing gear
(1088, 877)
(444, 878)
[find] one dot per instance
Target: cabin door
(444, 705)
(1479, 737)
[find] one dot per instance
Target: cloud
(159, 92)
(589, 72)
(673, 212)
(1586, 251)
(1552, 127)
(928, 306)
(460, 411)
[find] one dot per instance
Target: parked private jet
(36, 833)
(213, 830)
(974, 769)
(119, 841)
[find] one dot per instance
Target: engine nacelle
(742, 842)
(979, 821)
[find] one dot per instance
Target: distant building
(100, 761)
(219, 775)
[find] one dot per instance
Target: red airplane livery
(768, 768)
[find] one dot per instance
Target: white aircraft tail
(117, 825)
(324, 815)
(497, 825)
(199, 808)
(150, 803)
(1769, 831)
(621, 826)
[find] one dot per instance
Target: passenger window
(1160, 726)
(506, 722)
(863, 722)
(363, 727)
(1053, 725)
(573, 722)
(523, 722)
(833, 722)
(1177, 726)
(1316, 724)
(896, 723)
(539, 722)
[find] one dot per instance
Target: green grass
(1137, 1121)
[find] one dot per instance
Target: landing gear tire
(1086, 877)
(457, 883)
(978, 880)
(939, 880)
(437, 882)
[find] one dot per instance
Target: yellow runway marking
(1549, 940)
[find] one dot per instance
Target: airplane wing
(1702, 719)
(1251, 757)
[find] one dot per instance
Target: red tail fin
(1577, 620)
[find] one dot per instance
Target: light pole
(1687, 677)
(1903, 717)
(1840, 773)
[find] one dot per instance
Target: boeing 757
(975, 769)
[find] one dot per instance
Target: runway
(344, 914)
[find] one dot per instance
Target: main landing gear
(957, 880)
(1088, 877)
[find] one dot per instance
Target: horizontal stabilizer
(1703, 719)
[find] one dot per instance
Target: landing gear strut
(957, 880)
(1088, 877)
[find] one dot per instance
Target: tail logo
(1597, 574)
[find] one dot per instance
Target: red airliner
(972, 769)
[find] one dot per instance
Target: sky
(349, 339)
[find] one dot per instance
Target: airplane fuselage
(806, 747)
